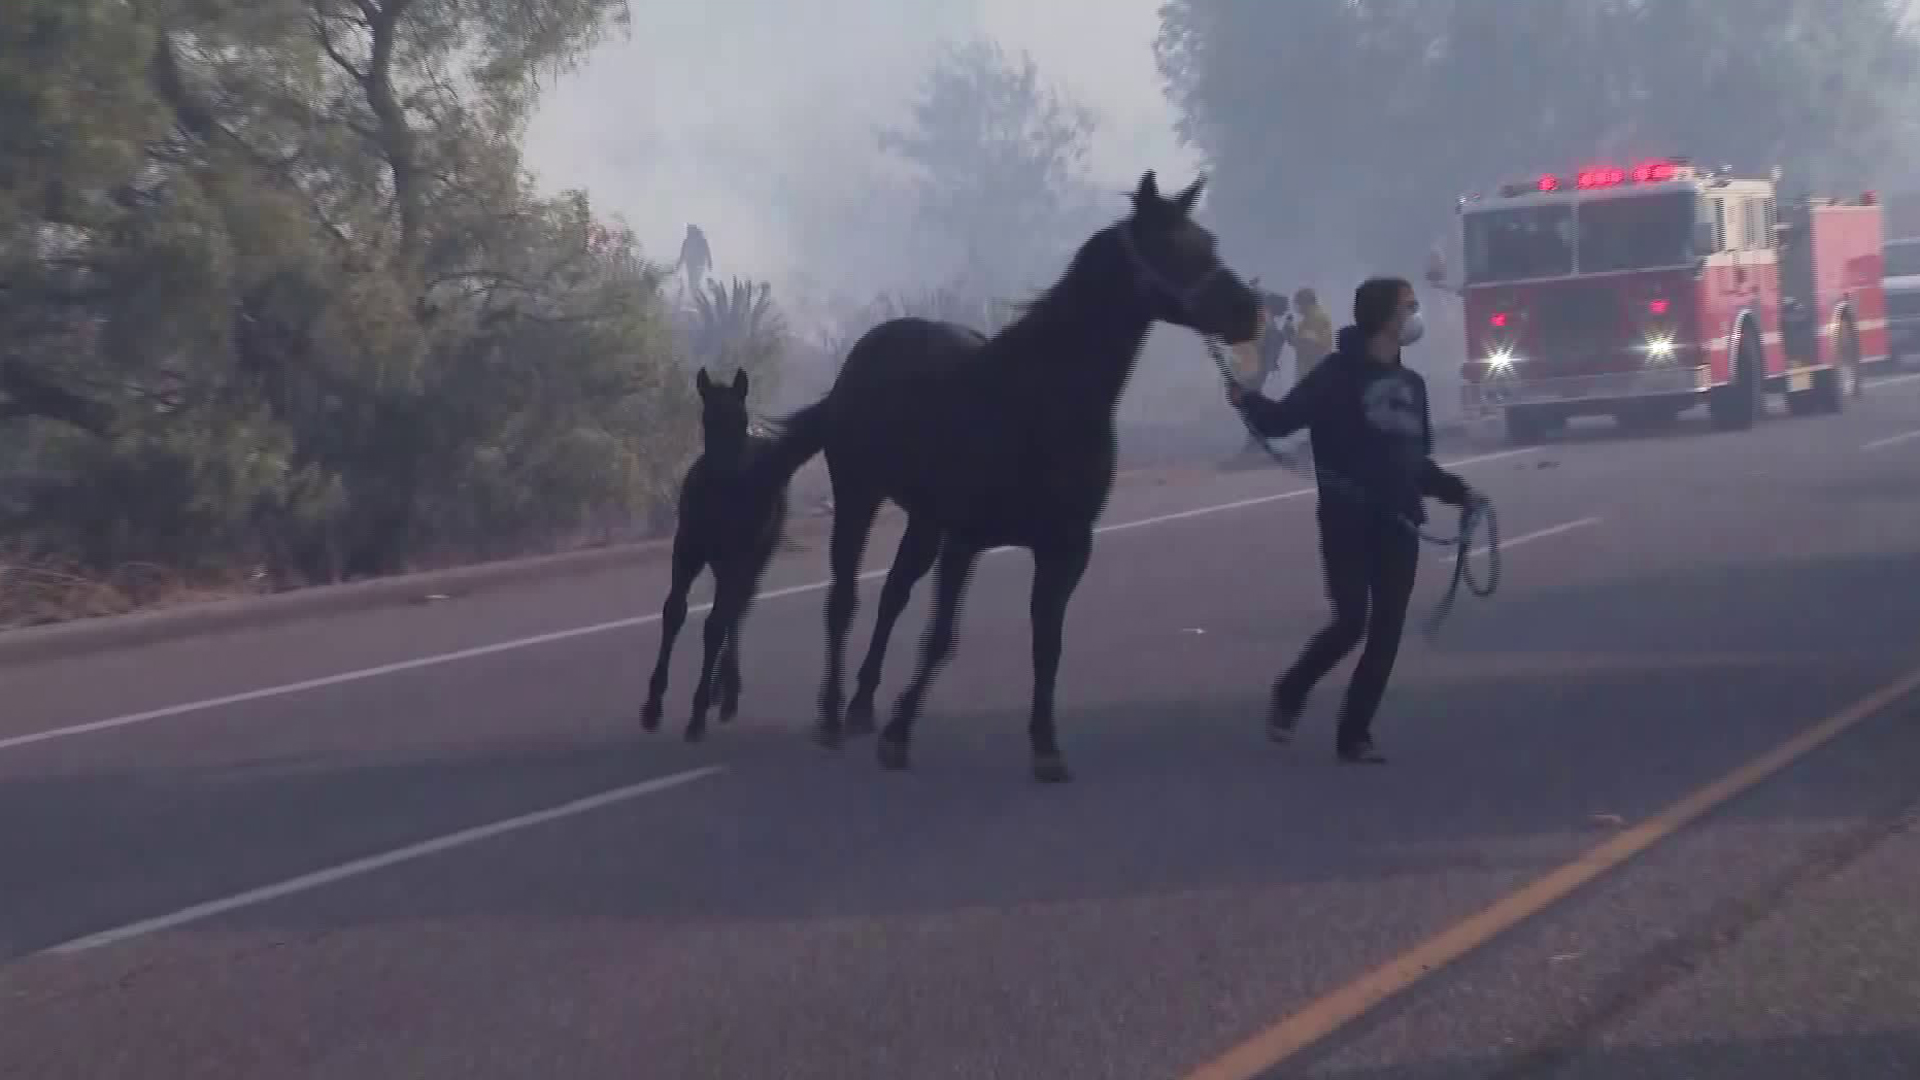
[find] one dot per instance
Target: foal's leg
(852, 521)
(730, 659)
(957, 560)
(688, 561)
(732, 587)
(918, 548)
(1057, 568)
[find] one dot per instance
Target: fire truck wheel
(1835, 386)
(1526, 426)
(1738, 404)
(1854, 384)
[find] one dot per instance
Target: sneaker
(1282, 718)
(1360, 753)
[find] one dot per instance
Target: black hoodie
(1371, 431)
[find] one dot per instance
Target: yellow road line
(1335, 1010)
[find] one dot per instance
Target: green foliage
(1352, 126)
(275, 289)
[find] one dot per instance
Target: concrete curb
(100, 634)
(82, 636)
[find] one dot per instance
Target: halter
(1154, 283)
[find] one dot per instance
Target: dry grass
(36, 590)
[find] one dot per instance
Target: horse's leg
(730, 674)
(1057, 569)
(853, 515)
(688, 561)
(731, 588)
(957, 560)
(918, 548)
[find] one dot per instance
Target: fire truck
(1641, 292)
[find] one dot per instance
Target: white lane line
(361, 674)
(371, 863)
(1891, 440)
(1891, 380)
(1528, 538)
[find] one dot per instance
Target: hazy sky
(751, 116)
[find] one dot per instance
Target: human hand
(1458, 493)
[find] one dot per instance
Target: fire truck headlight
(1659, 349)
(1499, 360)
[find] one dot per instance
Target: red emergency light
(1656, 307)
(1499, 319)
(1649, 172)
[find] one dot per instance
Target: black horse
(1008, 440)
(731, 518)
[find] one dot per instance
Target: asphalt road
(449, 852)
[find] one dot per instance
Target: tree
(998, 165)
(1350, 127)
(274, 284)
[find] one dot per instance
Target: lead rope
(1473, 519)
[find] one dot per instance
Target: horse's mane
(1043, 301)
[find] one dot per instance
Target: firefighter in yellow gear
(1312, 333)
(1254, 362)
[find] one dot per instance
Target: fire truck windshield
(1592, 236)
(1518, 242)
(1636, 232)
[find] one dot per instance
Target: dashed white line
(147, 716)
(1528, 538)
(1891, 440)
(371, 863)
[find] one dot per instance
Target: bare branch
(333, 53)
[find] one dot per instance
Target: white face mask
(1412, 328)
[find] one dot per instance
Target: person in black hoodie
(1372, 435)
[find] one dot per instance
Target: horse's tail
(798, 437)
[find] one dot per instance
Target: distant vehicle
(1639, 293)
(1902, 285)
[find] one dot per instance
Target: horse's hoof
(828, 737)
(1051, 769)
(696, 732)
(892, 754)
(860, 721)
(650, 716)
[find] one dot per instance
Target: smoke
(755, 119)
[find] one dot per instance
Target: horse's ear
(701, 381)
(1147, 193)
(1189, 198)
(740, 382)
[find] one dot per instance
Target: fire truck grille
(1903, 305)
(1568, 328)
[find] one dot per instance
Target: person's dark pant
(1370, 564)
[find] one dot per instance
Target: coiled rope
(1478, 517)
